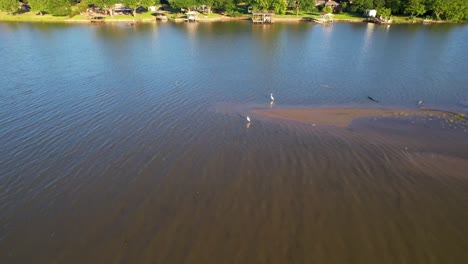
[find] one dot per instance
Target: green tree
(133, 4)
(384, 12)
(82, 6)
(208, 3)
(178, 4)
(39, 6)
(361, 5)
(327, 9)
(260, 4)
(226, 5)
(147, 3)
(279, 6)
(457, 10)
(438, 7)
(344, 6)
(104, 4)
(378, 4)
(9, 6)
(415, 8)
(395, 6)
(59, 7)
(307, 5)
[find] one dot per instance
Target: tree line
(455, 10)
(64, 7)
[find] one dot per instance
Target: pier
(192, 16)
(161, 15)
(96, 18)
(325, 18)
(261, 17)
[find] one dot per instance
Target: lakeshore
(149, 17)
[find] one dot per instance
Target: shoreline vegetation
(147, 17)
(149, 11)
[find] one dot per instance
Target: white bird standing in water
(272, 98)
(420, 103)
(248, 119)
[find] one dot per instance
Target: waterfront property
(332, 4)
(161, 15)
(325, 18)
(192, 16)
(94, 18)
(121, 9)
(381, 20)
(262, 17)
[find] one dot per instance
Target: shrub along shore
(144, 11)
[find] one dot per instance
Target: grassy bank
(32, 17)
(145, 16)
(350, 17)
(149, 16)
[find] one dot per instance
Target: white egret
(272, 98)
(248, 119)
(420, 103)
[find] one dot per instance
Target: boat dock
(262, 17)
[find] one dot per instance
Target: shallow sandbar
(337, 116)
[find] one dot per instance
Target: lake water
(123, 144)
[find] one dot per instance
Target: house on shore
(121, 9)
(332, 4)
(320, 2)
(335, 6)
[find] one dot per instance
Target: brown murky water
(119, 158)
(282, 192)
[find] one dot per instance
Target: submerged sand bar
(338, 116)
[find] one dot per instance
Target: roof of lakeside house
(331, 3)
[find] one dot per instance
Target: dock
(325, 18)
(192, 16)
(96, 18)
(379, 20)
(161, 15)
(262, 17)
